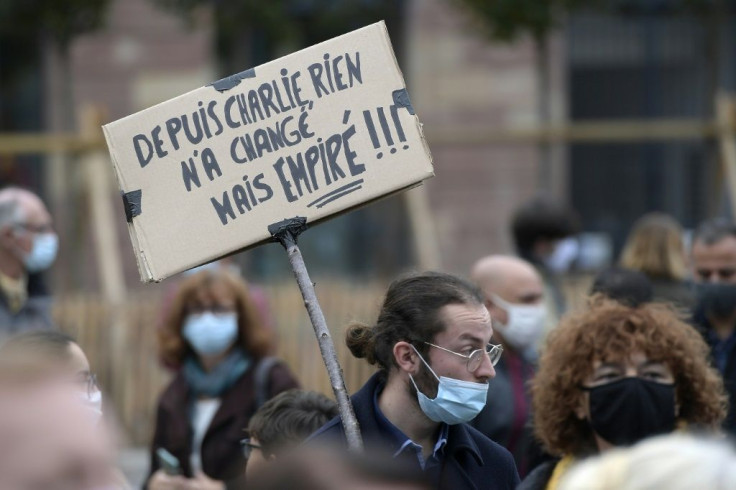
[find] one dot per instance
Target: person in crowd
(57, 354)
(330, 468)
(50, 407)
(655, 247)
(513, 293)
(612, 375)
(28, 246)
(544, 232)
(431, 343)
(626, 286)
(215, 336)
(258, 296)
(714, 270)
(283, 422)
(671, 462)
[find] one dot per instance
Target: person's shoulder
(488, 446)
(173, 394)
(279, 377)
(538, 478)
(496, 461)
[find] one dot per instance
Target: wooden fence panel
(132, 389)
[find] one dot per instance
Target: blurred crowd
(489, 382)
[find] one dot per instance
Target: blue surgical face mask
(456, 402)
(209, 333)
(43, 252)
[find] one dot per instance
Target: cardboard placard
(311, 134)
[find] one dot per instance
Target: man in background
(544, 232)
(714, 271)
(513, 293)
(28, 246)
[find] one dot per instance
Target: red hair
(253, 336)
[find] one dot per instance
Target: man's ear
(406, 357)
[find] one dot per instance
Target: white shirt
(204, 412)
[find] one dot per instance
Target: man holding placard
(431, 343)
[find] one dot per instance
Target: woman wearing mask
(215, 337)
(612, 375)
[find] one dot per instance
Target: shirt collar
(14, 290)
(400, 442)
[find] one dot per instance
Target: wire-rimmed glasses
(92, 386)
(248, 446)
(475, 358)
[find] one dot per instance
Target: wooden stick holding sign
(313, 134)
(286, 233)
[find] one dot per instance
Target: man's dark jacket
(471, 460)
(729, 374)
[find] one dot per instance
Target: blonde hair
(674, 462)
(655, 248)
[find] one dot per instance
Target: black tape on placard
(401, 99)
(287, 231)
(233, 80)
(132, 204)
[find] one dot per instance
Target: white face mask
(456, 402)
(564, 254)
(209, 333)
(525, 323)
(43, 252)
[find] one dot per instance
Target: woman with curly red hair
(612, 375)
(215, 337)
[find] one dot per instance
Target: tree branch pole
(286, 232)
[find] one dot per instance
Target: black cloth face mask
(630, 409)
(717, 299)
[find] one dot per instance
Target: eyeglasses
(92, 386)
(476, 357)
(89, 381)
(248, 447)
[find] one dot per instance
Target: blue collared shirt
(403, 444)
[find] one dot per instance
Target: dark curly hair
(410, 313)
(611, 331)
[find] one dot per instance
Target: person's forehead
(634, 359)
(78, 359)
(465, 319)
(35, 210)
(213, 292)
(522, 284)
(720, 253)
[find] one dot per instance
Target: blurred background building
(476, 70)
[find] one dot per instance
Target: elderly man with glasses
(431, 343)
